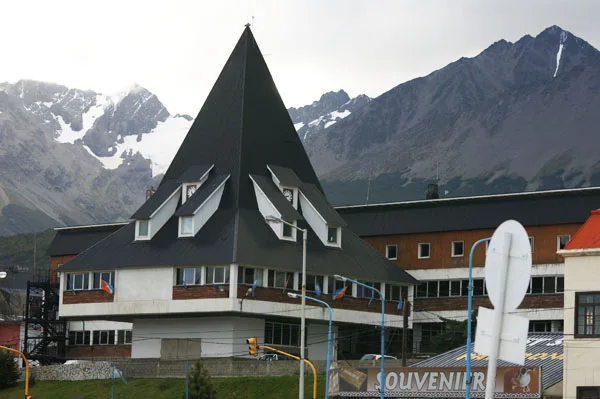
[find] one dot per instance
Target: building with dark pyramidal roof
(207, 257)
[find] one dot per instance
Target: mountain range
(518, 116)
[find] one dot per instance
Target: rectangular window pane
(287, 230)
(71, 337)
(287, 334)
(455, 288)
(277, 330)
(219, 275)
(269, 332)
(96, 281)
(537, 285)
(464, 289)
(432, 289)
(549, 285)
(444, 288)
(422, 290)
(198, 275)
(79, 338)
(332, 235)
(179, 277)
(103, 337)
(295, 341)
(128, 336)
(111, 337)
(424, 250)
(86, 338)
(120, 337)
(143, 228)
(458, 248)
(562, 241)
(477, 287)
(186, 225)
(210, 275)
(188, 275)
(78, 282)
(391, 251)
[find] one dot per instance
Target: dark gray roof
(163, 192)
(550, 344)
(195, 173)
(73, 240)
(242, 127)
(286, 176)
(485, 212)
(202, 194)
(276, 197)
(318, 200)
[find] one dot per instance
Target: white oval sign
(519, 265)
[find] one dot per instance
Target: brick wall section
(441, 246)
(347, 302)
(92, 296)
(98, 351)
(54, 262)
(529, 302)
(200, 291)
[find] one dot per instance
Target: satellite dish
(519, 265)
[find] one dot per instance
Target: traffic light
(251, 346)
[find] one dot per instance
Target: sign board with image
(420, 382)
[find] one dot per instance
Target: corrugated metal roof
(544, 350)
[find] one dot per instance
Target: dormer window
(190, 190)
(333, 236)
(288, 231)
(186, 228)
(288, 193)
(142, 229)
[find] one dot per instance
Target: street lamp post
(469, 311)
(274, 219)
(382, 381)
(328, 365)
(2, 275)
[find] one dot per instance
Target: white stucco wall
(582, 355)
(145, 284)
(219, 335)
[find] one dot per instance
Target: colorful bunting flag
(104, 285)
(340, 293)
(318, 289)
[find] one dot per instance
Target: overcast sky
(176, 49)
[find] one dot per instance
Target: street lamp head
(273, 219)
(340, 278)
(293, 295)
(2, 274)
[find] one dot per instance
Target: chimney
(149, 192)
(432, 191)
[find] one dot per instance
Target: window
(287, 230)
(364, 292)
(391, 252)
(458, 248)
(395, 292)
(124, 337)
(279, 279)
(143, 227)
(432, 289)
(79, 337)
(587, 314)
(217, 274)
(424, 250)
(78, 281)
(311, 282)
(455, 288)
(282, 333)
(531, 243)
(444, 289)
(561, 241)
(187, 223)
(333, 285)
(546, 285)
(332, 235)
(540, 326)
(421, 290)
(104, 337)
(188, 276)
(478, 286)
(247, 275)
(588, 392)
(109, 277)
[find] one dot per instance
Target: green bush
(200, 386)
(9, 373)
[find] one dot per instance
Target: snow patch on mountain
(159, 145)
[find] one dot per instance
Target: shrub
(9, 373)
(200, 386)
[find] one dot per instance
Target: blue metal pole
(382, 383)
(469, 311)
(328, 343)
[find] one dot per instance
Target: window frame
(587, 388)
(85, 281)
(110, 279)
(196, 276)
(454, 254)
(338, 234)
(124, 337)
(226, 277)
(558, 237)
(421, 245)
(138, 229)
(532, 243)
(594, 305)
(387, 251)
(257, 274)
(182, 220)
(282, 327)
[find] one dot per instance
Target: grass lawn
(163, 388)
